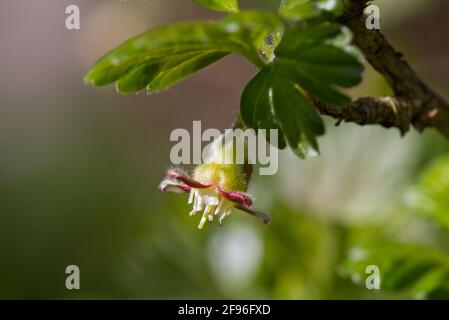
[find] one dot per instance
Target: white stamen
(219, 207)
(191, 196)
(224, 215)
(197, 204)
(205, 216)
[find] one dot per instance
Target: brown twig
(386, 111)
(414, 103)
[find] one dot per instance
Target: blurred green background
(80, 166)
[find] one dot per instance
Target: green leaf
(158, 74)
(163, 56)
(256, 106)
(312, 60)
(271, 102)
(422, 271)
(262, 31)
(319, 59)
(230, 6)
(430, 197)
(310, 81)
(307, 9)
(268, 46)
(298, 119)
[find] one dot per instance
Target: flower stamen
(205, 216)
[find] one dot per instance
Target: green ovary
(228, 177)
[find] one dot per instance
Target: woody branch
(413, 103)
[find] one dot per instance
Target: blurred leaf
(421, 271)
(307, 9)
(300, 255)
(163, 56)
(220, 5)
(168, 258)
(430, 197)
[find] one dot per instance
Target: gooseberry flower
(216, 187)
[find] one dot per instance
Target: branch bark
(414, 102)
(387, 111)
